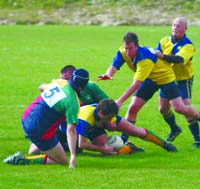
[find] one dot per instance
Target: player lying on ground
(94, 120)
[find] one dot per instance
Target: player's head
(131, 37)
(131, 44)
(179, 27)
(107, 108)
(66, 72)
(79, 79)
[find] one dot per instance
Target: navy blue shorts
(148, 88)
(45, 145)
(185, 88)
(40, 122)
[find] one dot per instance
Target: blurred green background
(98, 12)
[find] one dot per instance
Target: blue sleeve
(158, 47)
(118, 61)
(63, 127)
(83, 128)
(118, 119)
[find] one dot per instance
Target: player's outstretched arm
(108, 75)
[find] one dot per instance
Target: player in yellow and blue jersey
(151, 74)
(57, 103)
(94, 120)
(178, 49)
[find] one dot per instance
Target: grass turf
(31, 55)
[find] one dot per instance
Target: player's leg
(185, 87)
(181, 108)
(56, 155)
(135, 106)
(144, 134)
(173, 95)
(193, 126)
(169, 117)
(52, 149)
(142, 95)
(33, 149)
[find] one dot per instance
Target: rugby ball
(115, 141)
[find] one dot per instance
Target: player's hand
(159, 54)
(104, 77)
(108, 150)
(72, 163)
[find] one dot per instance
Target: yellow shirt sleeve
(144, 68)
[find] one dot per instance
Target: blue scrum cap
(80, 78)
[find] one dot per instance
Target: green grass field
(31, 55)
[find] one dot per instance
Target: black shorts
(148, 88)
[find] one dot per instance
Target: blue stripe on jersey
(118, 61)
(145, 53)
(180, 43)
(83, 128)
(142, 53)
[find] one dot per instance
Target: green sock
(37, 159)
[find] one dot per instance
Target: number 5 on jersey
(53, 94)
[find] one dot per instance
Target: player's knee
(133, 109)
(57, 160)
(81, 145)
(33, 151)
(162, 111)
(63, 160)
(179, 109)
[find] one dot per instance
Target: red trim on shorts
(31, 106)
(50, 132)
(45, 159)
